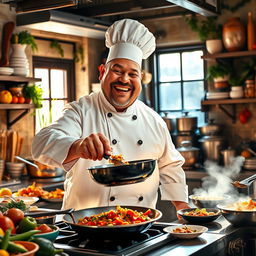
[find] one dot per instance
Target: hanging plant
(237, 6)
(79, 54)
(56, 45)
(24, 37)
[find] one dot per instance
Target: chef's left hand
(180, 205)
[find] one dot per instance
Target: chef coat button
(141, 198)
(134, 117)
(109, 114)
(140, 142)
(112, 198)
(114, 141)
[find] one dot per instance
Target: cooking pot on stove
(191, 154)
(39, 170)
(186, 123)
(210, 129)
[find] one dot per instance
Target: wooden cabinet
(23, 109)
(222, 103)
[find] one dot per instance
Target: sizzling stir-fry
(248, 205)
(199, 212)
(184, 230)
(116, 159)
(120, 216)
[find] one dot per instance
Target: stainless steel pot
(210, 129)
(190, 153)
(179, 138)
(186, 123)
(212, 146)
(228, 154)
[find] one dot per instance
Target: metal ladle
(244, 183)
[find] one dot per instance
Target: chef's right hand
(92, 147)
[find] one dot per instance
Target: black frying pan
(116, 175)
(110, 230)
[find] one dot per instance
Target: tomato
(247, 113)
(242, 118)
(21, 99)
(16, 215)
(44, 228)
(6, 223)
(5, 97)
(28, 100)
(14, 99)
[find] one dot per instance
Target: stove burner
(134, 244)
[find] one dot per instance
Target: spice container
(249, 89)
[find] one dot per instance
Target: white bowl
(198, 231)
(236, 94)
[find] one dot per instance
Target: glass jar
(249, 89)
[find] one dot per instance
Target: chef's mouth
(121, 87)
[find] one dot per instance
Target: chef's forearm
(73, 152)
(180, 205)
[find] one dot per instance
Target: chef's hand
(180, 205)
(92, 147)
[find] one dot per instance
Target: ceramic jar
(233, 35)
(249, 89)
(214, 45)
(236, 92)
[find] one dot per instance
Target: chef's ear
(101, 70)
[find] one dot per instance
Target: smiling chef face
(121, 82)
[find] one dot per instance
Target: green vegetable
(24, 236)
(46, 247)
(26, 224)
(12, 247)
(5, 240)
(20, 205)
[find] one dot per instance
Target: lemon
(246, 154)
(5, 192)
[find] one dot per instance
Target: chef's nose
(124, 77)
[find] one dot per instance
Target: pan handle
(50, 213)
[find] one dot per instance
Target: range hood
(64, 23)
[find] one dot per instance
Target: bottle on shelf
(250, 32)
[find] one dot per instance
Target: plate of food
(199, 215)
(55, 196)
(28, 200)
(186, 231)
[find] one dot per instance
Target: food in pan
(184, 229)
(116, 159)
(31, 191)
(248, 205)
(55, 194)
(120, 216)
(199, 212)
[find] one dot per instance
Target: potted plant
(24, 38)
(220, 74)
(34, 93)
(208, 31)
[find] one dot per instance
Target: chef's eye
(116, 71)
(133, 75)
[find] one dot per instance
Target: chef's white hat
(129, 39)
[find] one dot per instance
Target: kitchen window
(57, 77)
(180, 81)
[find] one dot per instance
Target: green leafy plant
(24, 37)
(206, 28)
(218, 70)
(236, 80)
(34, 92)
(79, 54)
(248, 69)
(55, 44)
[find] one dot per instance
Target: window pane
(57, 107)
(42, 116)
(169, 67)
(58, 83)
(193, 93)
(192, 65)
(44, 75)
(170, 96)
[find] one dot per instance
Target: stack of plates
(217, 95)
(250, 163)
(20, 66)
(6, 71)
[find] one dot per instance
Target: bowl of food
(48, 231)
(240, 213)
(197, 215)
(205, 201)
(31, 248)
(186, 231)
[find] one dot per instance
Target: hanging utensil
(244, 183)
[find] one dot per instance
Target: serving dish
(199, 219)
(198, 230)
(202, 201)
(50, 235)
(27, 199)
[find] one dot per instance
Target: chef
(114, 121)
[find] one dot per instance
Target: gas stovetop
(131, 244)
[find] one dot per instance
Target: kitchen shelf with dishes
(25, 108)
(221, 103)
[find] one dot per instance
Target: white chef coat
(138, 133)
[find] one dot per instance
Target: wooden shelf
(16, 106)
(20, 79)
(228, 101)
(229, 55)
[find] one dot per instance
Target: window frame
(156, 89)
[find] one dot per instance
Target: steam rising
(218, 181)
